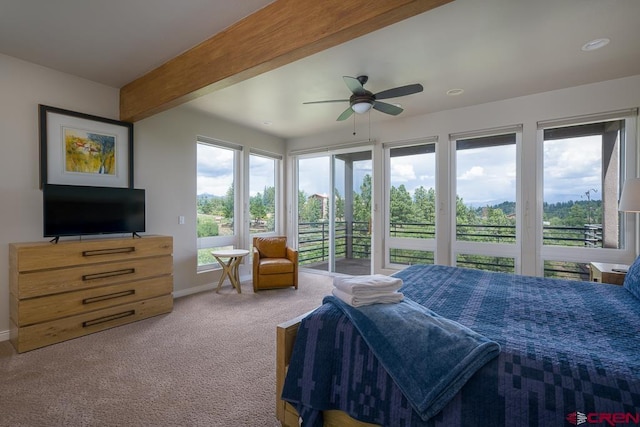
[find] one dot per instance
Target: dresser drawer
(42, 334)
(43, 256)
(73, 288)
(35, 310)
(46, 282)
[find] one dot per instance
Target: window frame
(505, 250)
(277, 182)
(406, 243)
(235, 239)
(628, 161)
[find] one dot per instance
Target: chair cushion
(271, 247)
(275, 266)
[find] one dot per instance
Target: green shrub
(207, 227)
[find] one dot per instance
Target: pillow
(632, 278)
(271, 247)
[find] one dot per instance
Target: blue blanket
(428, 356)
(565, 348)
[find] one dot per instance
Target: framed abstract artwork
(81, 149)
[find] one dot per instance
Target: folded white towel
(359, 301)
(367, 285)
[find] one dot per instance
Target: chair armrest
(292, 255)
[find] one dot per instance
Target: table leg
(235, 275)
(226, 272)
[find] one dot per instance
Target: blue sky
(485, 176)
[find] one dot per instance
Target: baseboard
(246, 280)
(4, 336)
(193, 290)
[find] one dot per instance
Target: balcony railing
(354, 242)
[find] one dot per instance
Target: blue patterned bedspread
(568, 350)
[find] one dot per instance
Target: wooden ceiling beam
(280, 33)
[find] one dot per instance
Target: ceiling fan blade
(345, 114)
(387, 108)
(354, 85)
(399, 91)
(323, 102)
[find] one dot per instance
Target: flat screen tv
(70, 210)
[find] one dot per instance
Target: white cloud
(402, 172)
(473, 173)
(572, 167)
(485, 176)
(217, 186)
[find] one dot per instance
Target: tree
(269, 200)
(227, 207)
(105, 145)
(401, 205)
(464, 214)
(362, 201)
(206, 227)
(302, 199)
(496, 216)
(257, 208)
(312, 210)
(205, 205)
(339, 206)
(577, 216)
(425, 204)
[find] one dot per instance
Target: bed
(569, 353)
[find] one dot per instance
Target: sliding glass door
(334, 212)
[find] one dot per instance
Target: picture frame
(82, 149)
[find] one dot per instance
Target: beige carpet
(211, 362)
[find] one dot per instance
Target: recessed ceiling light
(455, 92)
(595, 44)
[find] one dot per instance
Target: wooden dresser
(68, 289)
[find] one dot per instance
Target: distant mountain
(209, 196)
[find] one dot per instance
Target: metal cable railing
(354, 242)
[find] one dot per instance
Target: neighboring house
(323, 199)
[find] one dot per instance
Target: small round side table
(230, 267)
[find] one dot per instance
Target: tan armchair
(274, 264)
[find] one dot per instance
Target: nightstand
(607, 273)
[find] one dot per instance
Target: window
(485, 198)
(584, 165)
(263, 203)
(486, 189)
(313, 210)
(334, 210)
(216, 197)
(411, 202)
(582, 177)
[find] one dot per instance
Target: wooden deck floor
(354, 267)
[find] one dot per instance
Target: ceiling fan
(362, 100)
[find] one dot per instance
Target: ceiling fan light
(595, 44)
(361, 107)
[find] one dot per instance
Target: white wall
(527, 110)
(164, 164)
(22, 87)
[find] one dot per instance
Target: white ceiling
(493, 49)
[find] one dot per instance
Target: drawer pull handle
(106, 274)
(112, 251)
(106, 319)
(109, 296)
